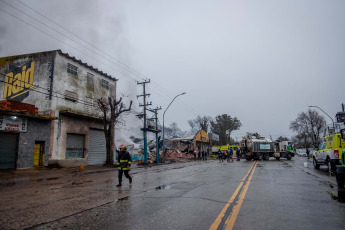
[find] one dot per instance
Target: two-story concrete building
(60, 87)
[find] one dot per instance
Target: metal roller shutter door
(8, 147)
(75, 146)
(97, 148)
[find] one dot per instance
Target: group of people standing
(228, 154)
(202, 155)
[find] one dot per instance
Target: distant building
(60, 87)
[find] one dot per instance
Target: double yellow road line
(227, 217)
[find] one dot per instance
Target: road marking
(229, 223)
(231, 217)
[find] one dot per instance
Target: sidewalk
(33, 175)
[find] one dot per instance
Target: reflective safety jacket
(124, 161)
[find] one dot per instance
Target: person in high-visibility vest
(124, 164)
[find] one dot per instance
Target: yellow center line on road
(229, 223)
(219, 219)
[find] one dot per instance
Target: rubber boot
(119, 185)
(130, 180)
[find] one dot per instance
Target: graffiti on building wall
(19, 80)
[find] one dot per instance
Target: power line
(65, 43)
(57, 30)
(61, 40)
(85, 102)
(81, 39)
(130, 69)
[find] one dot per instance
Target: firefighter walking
(124, 164)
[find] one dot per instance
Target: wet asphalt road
(281, 195)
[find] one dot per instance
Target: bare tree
(193, 126)
(200, 122)
(281, 138)
(309, 127)
(173, 131)
(111, 109)
(301, 141)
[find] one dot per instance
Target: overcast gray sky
(261, 61)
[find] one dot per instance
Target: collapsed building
(186, 146)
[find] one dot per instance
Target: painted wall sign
(213, 136)
(13, 124)
(19, 81)
(264, 146)
(202, 136)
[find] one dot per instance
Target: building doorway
(39, 153)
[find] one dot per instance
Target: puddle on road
(14, 183)
(286, 165)
(163, 187)
(27, 182)
(45, 179)
(122, 199)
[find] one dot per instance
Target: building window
(71, 96)
(105, 84)
(89, 80)
(75, 146)
(72, 69)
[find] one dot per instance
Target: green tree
(224, 125)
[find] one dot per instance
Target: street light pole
(311, 106)
(163, 121)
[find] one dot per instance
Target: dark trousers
(126, 175)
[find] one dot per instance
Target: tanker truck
(256, 147)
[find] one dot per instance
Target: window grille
(72, 69)
(89, 105)
(90, 84)
(105, 84)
